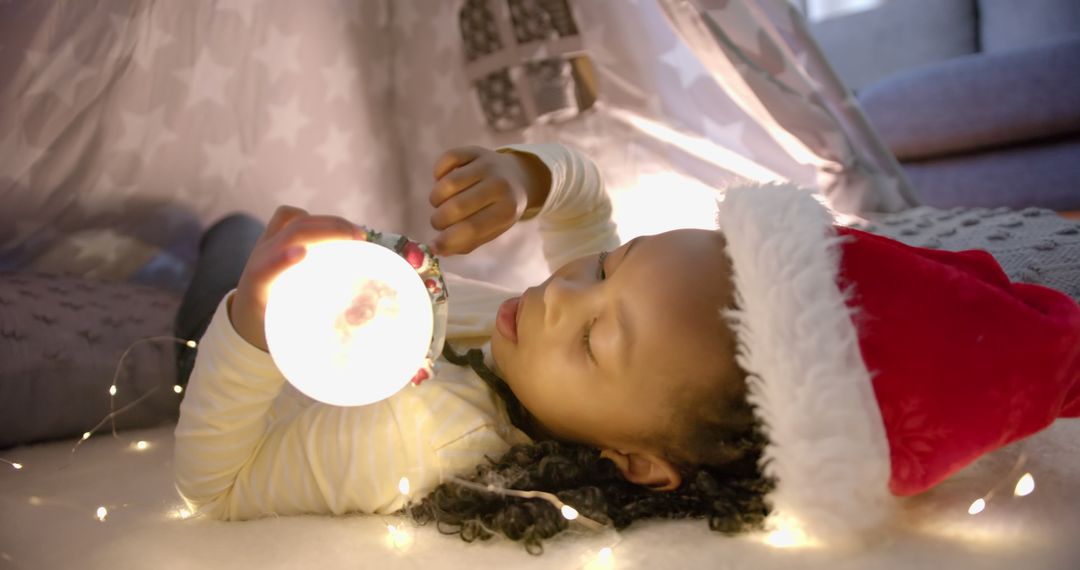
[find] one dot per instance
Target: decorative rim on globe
(419, 256)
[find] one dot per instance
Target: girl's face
(603, 352)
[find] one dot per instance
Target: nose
(561, 296)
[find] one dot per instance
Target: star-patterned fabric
(119, 110)
(126, 125)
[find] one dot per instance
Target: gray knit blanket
(1032, 245)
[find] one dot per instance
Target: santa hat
(879, 369)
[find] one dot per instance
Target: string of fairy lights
(401, 533)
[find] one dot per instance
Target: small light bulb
(1025, 485)
(403, 486)
(399, 538)
(112, 390)
(604, 560)
(102, 512)
(977, 507)
(86, 436)
(141, 445)
(569, 513)
(17, 465)
(191, 344)
(183, 513)
(178, 388)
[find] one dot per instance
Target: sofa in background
(978, 99)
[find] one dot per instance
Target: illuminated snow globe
(356, 321)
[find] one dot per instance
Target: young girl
(784, 366)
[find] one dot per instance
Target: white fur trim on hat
(827, 447)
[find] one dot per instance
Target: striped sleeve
(575, 220)
(233, 462)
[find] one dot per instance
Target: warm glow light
(112, 390)
(86, 436)
(399, 538)
(569, 513)
(403, 486)
(17, 465)
(181, 514)
(350, 324)
(102, 512)
(191, 344)
(604, 560)
(141, 445)
(700, 147)
(663, 201)
(1025, 485)
(177, 388)
(977, 507)
(787, 533)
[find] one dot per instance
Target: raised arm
(479, 194)
(575, 220)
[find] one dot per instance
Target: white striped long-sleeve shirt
(248, 444)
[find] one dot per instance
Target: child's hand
(281, 246)
(480, 193)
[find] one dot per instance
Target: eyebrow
(628, 335)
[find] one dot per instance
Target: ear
(645, 469)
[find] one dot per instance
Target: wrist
(241, 317)
(536, 178)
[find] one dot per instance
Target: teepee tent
(127, 126)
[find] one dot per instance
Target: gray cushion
(1008, 24)
(60, 340)
(867, 46)
(1045, 175)
(979, 101)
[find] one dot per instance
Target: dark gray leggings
(223, 252)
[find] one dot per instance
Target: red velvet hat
(880, 369)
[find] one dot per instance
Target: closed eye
(585, 338)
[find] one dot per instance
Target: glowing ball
(354, 322)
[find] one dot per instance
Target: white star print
(335, 148)
(146, 133)
(352, 204)
(278, 54)
(104, 244)
(298, 194)
(243, 8)
(60, 73)
(688, 67)
(728, 136)
(206, 80)
(148, 44)
(286, 121)
(339, 77)
(108, 195)
(225, 161)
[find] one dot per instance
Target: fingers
(281, 218)
(312, 229)
(475, 230)
(456, 158)
(465, 204)
(455, 182)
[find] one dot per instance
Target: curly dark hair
(727, 487)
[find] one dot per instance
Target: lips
(506, 320)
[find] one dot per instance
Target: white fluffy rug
(49, 520)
